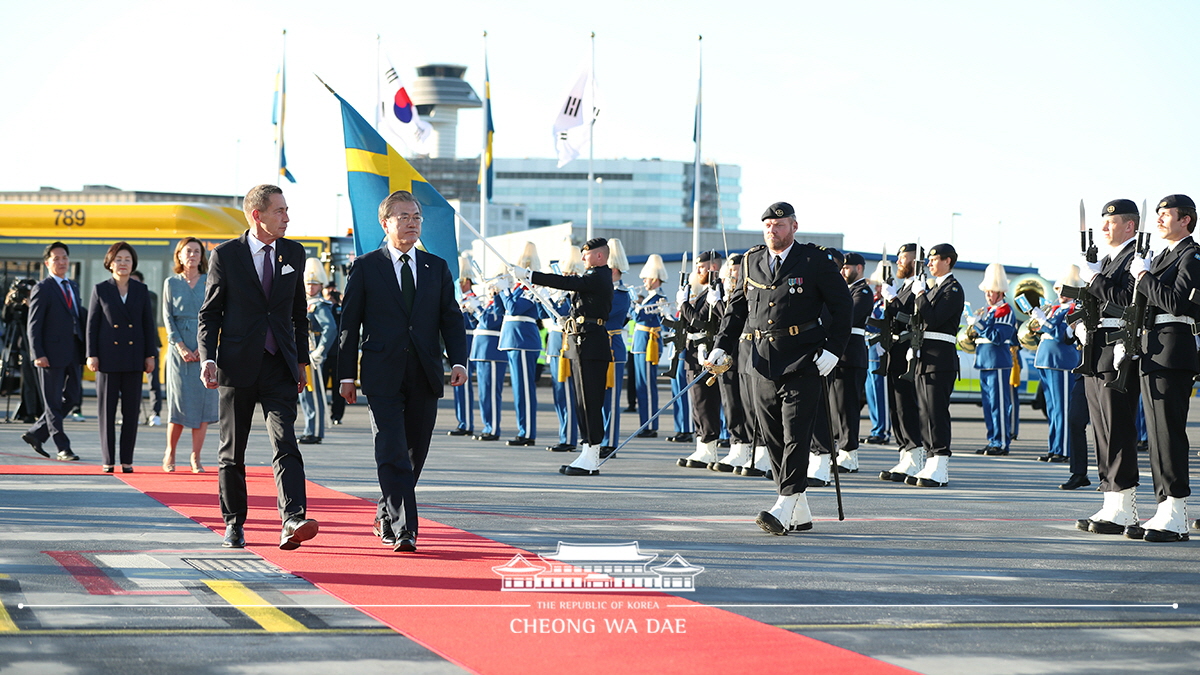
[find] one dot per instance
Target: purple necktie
(268, 276)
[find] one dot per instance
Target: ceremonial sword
(694, 382)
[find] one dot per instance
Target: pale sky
(875, 119)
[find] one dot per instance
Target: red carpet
(454, 567)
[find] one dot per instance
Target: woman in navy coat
(120, 347)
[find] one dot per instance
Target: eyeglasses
(406, 219)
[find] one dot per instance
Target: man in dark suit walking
(253, 340)
(56, 326)
(399, 307)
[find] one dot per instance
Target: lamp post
(952, 217)
(600, 200)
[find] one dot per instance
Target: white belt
(1171, 318)
(859, 331)
(1111, 323)
(470, 331)
(553, 327)
(517, 317)
(982, 341)
(697, 336)
(488, 333)
(943, 337)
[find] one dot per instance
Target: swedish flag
(374, 170)
(485, 163)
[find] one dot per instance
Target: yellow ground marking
(188, 631)
(254, 606)
(6, 622)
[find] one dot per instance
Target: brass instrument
(1035, 289)
(967, 334)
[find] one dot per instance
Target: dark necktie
(408, 287)
(268, 278)
(69, 296)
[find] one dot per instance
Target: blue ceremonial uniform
(1057, 356)
(464, 396)
(997, 330)
(622, 301)
(520, 338)
(876, 382)
(490, 364)
(565, 401)
(647, 330)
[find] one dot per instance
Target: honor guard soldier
(464, 399)
(820, 465)
(1112, 411)
(322, 335)
(489, 362)
(1169, 363)
(562, 383)
(741, 441)
(847, 385)
(618, 317)
(997, 329)
(701, 317)
(938, 302)
(902, 392)
(1057, 356)
(647, 341)
(521, 339)
(776, 313)
(587, 345)
(877, 405)
(675, 335)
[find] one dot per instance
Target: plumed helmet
(654, 268)
(994, 279)
(314, 272)
(616, 256)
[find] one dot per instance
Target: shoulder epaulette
(756, 248)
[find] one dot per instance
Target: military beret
(1176, 201)
(944, 251)
(598, 242)
(836, 256)
(854, 259)
(710, 255)
(779, 210)
(1121, 207)
(908, 248)
(735, 258)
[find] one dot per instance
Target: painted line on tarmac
(1173, 605)
(993, 625)
(263, 603)
(110, 632)
(254, 606)
(6, 623)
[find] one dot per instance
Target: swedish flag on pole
(277, 113)
(373, 171)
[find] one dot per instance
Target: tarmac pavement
(988, 575)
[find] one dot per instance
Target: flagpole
(591, 137)
(696, 163)
(282, 108)
(483, 202)
(378, 86)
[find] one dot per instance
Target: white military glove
(920, 285)
(1089, 271)
(1139, 266)
(1081, 333)
(1118, 354)
(713, 296)
(888, 292)
(826, 362)
(521, 274)
(972, 319)
(715, 357)
(681, 296)
(1038, 314)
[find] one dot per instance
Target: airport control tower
(439, 92)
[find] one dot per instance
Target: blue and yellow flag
(277, 116)
(485, 160)
(373, 171)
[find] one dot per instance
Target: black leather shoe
(309, 440)
(1196, 524)
(930, 483)
(995, 452)
(984, 449)
(749, 472)
(67, 456)
(1058, 459)
(562, 447)
(770, 524)
(127, 469)
(648, 433)
(234, 537)
(690, 463)
(1132, 532)
(382, 528)
(1143, 446)
(1105, 527)
(817, 482)
(458, 432)
(568, 470)
(1077, 480)
(297, 530)
(877, 440)
(1083, 524)
(1164, 535)
(487, 437)
(406, 542)
(682, 437)
(106, 468)
(723, 443)
(520, 441)
(606, 451)
(1044, 458)
(910, 480)
(335, 422)
(37, 445)
(721, 467)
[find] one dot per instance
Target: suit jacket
(940, 308)
(54, 331)
(121, 334)
(236, 312)
(374, 318)
(1173, 274)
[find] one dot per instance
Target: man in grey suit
(56, 335)
(253, 340)
(399, 307)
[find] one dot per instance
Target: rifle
(1133, 318)
(884, 337)
(1087, 307)
(916, 327)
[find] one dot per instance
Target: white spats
(935, 473)
(848, 461)
(739, 454)
(587, 464)
(1170, 517)
(705, 454)
(1120, 508)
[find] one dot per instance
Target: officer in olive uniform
(1112, 412)
(588, 348)
(938, 301)
(1169, 363)
(776, 312)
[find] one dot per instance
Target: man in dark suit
(399, 307)
(57, 322)
(254, 345)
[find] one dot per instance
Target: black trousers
(276, 392)
(786, 409)
(746, 389)
(60, 391)
(589, 392)
(706, 403)
(847, 387)
(933, 398)
(402, 426)
(123, 388)
(735, 413)
(1114, 429)
(1167, 394)
(904, 412)
(1077, 421)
